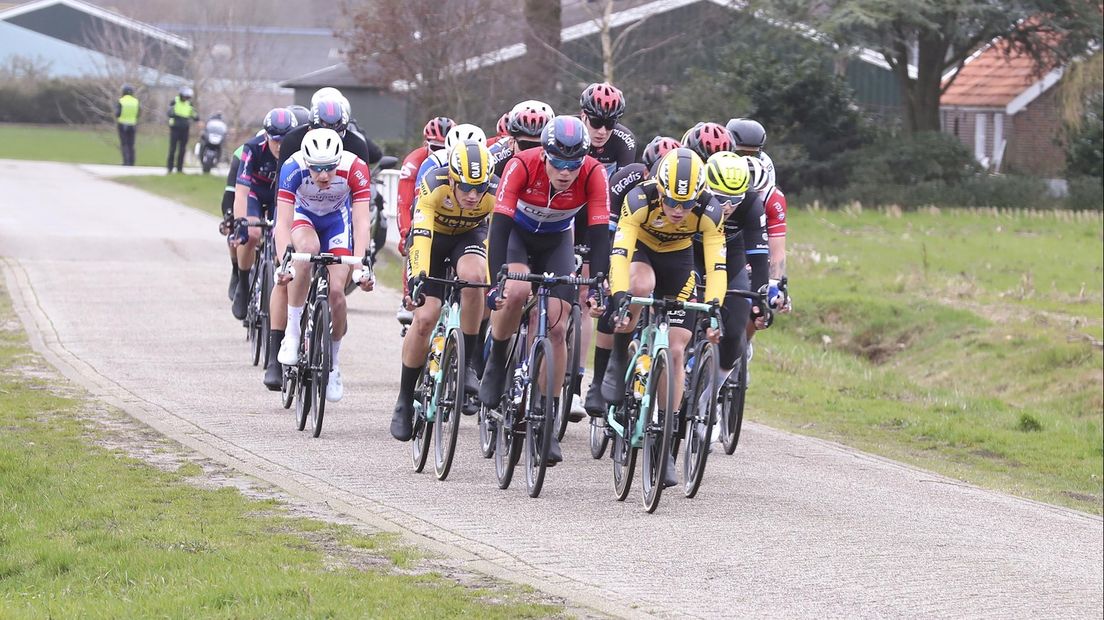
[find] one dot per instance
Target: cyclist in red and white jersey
(325, 197)
(434, 138)
(539, 194)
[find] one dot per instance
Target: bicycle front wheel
(571, 369)
(446, 419)
(659, 425)
(598, 437)
(733, 395)
(541, 416)
(253, 319)
(423, 429)
(701, 400)
(321, 359)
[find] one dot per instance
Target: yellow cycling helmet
(727, 174)
(681, 175)
(470, 163)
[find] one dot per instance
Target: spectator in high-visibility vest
(126, 119)
(181, 115)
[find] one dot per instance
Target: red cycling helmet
(708, 138)
(503, 127)
(656, 149)
(602, 100)
(436, 130)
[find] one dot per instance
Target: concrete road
(126, 293)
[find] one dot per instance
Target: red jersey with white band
(775, 206)
(350, 183)
(525, 194)
(408, 187)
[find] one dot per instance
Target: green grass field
(81, 145)
(87, 532)
(199, 191)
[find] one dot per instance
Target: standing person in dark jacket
(126, 119)
(181, 114)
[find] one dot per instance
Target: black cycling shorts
(674, 277)
(544, 253)
(447, 250)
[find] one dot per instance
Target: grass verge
(199, 191)
(89, 532)
(81, 145)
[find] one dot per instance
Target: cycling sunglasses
(598, 122)
(679, 204)
(465, 188)
(565, 164)
(729, 200)
(326, 168)
(274, 138)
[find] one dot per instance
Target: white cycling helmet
(462, 132)
(326, 92)
(760, 179)
(322, 147)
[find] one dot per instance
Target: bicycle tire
(732, 408)
(423, 431)
(699, 423)
(303, 398)
(622, 452)
(599, 439)
(267, 282)
(253, 316)
(289, 382)
(487, 431)
(447, 418)
(321, 359)
(574, 340)
(509, 435)
(540, 421)
(658, 428)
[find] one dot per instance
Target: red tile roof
(990, 80)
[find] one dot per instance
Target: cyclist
(440, 157)
(729, 179)
(331, 113)
(433, 135)
(653, 255)
(302, 114)
(540, 192)
(601, 106)
(705, 139)
(621, 183)
(228, 216)
(450, 225)
(255, 193)
(502, 130)
(749, 138)
(324, 205)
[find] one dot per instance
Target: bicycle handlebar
(548, 279)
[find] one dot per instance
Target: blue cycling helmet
(565, 137)
(302, 114)
(279, 121)
(330, 114)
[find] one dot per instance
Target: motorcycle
(209, 148)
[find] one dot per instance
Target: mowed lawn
(82, 145)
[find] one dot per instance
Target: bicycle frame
(654, 338)
(447, 321)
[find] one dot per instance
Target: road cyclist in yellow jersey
(653, 255)
(449, 227)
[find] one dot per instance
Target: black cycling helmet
(128, 89)
(302, 114)
(278, 122)
(746, 133)
(565, 137)
(330, 114)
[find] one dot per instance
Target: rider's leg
(304, 239)
(504, 322)
(642, 282)
(471, 267)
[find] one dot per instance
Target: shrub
(1086, 194)
(48, 101)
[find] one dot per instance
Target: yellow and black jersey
(642, 219)
(438, 212)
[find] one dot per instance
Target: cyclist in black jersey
(621, 183)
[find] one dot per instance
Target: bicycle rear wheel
(658, 428)
(540, 421)
(701, 401)
(423, 430)
(447, 417)
(267, 282)
(321, 357)
(732, 407)
(288, 384)
(571, 369)
(253, 319)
